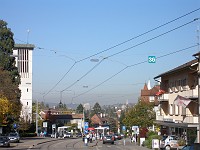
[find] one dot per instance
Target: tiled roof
(179, 68)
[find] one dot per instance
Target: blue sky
(66, 32)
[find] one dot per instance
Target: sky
(97, 51)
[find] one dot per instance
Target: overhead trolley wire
(126, 42)
(136, 64)
(136, 46)
(140, 35)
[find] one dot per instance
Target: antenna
(28, 31)
(198, 38)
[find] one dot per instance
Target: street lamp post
(198, 74)
(36, 120)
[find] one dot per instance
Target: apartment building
(178, 101)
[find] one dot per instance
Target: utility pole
(36, 122)
(197, 55)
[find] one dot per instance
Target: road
(39, 143)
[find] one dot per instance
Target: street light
(36, 122)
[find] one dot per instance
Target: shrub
(181, 142)
(28, 134)
(150, 136)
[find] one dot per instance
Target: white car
(14, 137)
(168, 142)
(68, 135)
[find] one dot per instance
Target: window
(27, 103)
(176, 108)
(27, 89)
(171, 110)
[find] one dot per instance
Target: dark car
(108, 139)
(79, 134)
(4, 141)
(188, 147)
(14, 137)
(117, 136)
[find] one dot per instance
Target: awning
(182, 101)
(160, 92)
(90, 128)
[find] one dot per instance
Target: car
(14, 137)
(117, 136)
(68, 135)
(108, 139)
(169, 142)
(79, 134)
(188, 147)
(4, 141)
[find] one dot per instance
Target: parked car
(79, 134)
(117, 136)
(108, 139)
(4, 141)
(188, 147)
(68, 135)
(14, 137)
(169, 142)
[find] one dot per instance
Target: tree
(11, 92)
(6, 50)
(9, 76)
(5, 110)
(97, 108)
(141, 115)
(79, 109)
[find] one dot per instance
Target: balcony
(187, 119)
(185, 91)
(191, 119)
(163, 97)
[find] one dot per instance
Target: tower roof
(29, 46)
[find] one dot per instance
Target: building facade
(148, 94)
(23, 57)
(178, 101)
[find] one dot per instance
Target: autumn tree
(11, 92)
(5, 110)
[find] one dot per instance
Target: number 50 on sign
(152, 59)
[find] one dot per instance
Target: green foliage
(141, 115)
(11, 92)
(9, 76)
(28, 134)
(79, 109)
(6, 49)
(150, 136)
(97, 108)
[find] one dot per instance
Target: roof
(30, 46)
(179, 68)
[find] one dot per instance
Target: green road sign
(152, 59)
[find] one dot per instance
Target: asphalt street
(51, 143)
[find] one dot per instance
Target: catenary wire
(123, 43)
(134, 47)
(136, 64)
(139, 35)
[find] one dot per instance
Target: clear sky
(66, 33)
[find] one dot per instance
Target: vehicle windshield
(13, 134)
